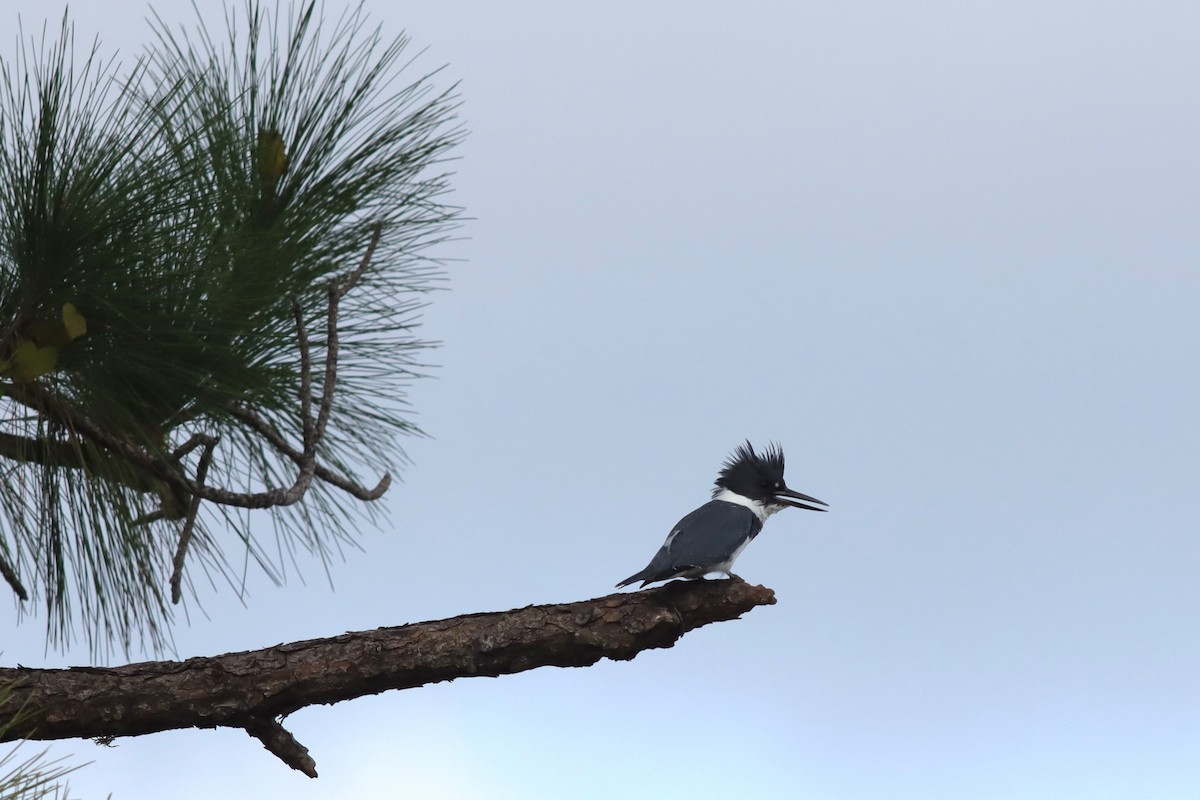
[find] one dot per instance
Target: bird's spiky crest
(745, 466)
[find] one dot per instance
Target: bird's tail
(641, 575)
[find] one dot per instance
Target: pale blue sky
(945, 253)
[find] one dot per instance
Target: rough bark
(252, 690)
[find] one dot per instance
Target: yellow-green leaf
(29, 362)
(73, 321)
(272, 158)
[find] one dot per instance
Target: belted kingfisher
(749, 489)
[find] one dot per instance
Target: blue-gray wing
(711, 534)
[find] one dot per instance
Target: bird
(748, 490)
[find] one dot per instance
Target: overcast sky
(945, 253)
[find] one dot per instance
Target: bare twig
(306, 422)
(280, 742)
(336, 293)
(10, 576)
(168, 506)
(354, 277)
(189, 524)
(276, 440)
(194, 441)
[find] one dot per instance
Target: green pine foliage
(34, 777)
(162, 230)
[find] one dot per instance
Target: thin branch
(196, 440)
(276, 440)
(280, 742)
(10, 576)
(306, 422)
(248, 689)
(167, 510)
(67, 455)
(354, 277)
(189, 524)
(38, 451)
(336, 293)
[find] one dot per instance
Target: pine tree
(211, 266)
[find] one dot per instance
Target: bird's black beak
(789, 498)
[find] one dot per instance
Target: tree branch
(253, 689)
(47, 404)
(276, 440)
(68, 455)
